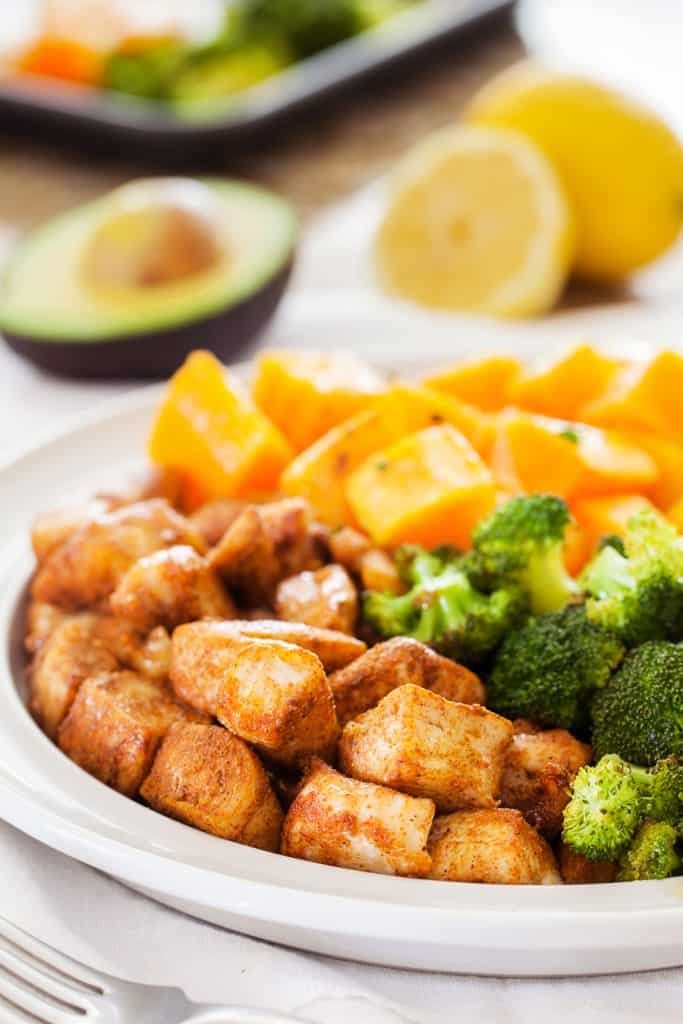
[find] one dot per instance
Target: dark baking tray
(110, 121)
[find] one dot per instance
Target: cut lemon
(477, 220)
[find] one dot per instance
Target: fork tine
(21, 997)
(45, 984)
(47, 960)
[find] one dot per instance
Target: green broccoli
(442, 608)
(612, 540)
(605, 810)
(611, 799)
(522, 543)
(639, 595)
(148, 74)
(549, 669)
(639, 715)
(307, 26)
(652, 853)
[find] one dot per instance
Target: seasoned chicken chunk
(203, 651)
(418, 742)
(578, 870)
(497, 846)
(52, 529)
(325, 597)
(335, 820)
(71, 654)
(539, 769)
(87, 567)
(368, 679)
(277, 696)
(146, 653)
(208, 778)
(372, 566)
(214, 519)
(115, 726)
(41, 621)
(172, 586)
(264, 545)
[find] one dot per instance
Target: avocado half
(50, 315)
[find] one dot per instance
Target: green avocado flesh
(45, 298)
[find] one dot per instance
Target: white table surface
(102, 923)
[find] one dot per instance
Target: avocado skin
(157, 354)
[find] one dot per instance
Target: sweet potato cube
(420, 743)
(675, 514)
(208, 429)
(539, 770)
(168, 588)
(70, 655)
(484, 383)
(335, 820)
(643, 396)
(561, 385)
(602, 516)
(363, 683)
(667, 455)
(530, 456)
(115, 726)
(319, 472)
(276, 696)
(430, 488)
(305, 394)
(326, 598)
(210, 779)
(496, 846)
(612, 464)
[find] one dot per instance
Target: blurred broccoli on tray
(443, 608)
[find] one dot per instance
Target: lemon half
(477, 220)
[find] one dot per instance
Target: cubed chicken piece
(418, 742)
(52, 529)
(325, 597)
(71, 654)
(84, 570)
(539, 769)
(172, 586)
(497, 846)
(264, 545)
(202, 652)
(578, 870)
(372, 566)
(210, 779)
(351, 824)
(369, 678)
(41, 621)
(115, 726)
(277, 696)
(146, 653)
(214, 519)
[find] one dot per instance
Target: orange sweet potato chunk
(602, 516)
(612, 464)
(562, 385)
(530, 456)
(429, 488)
(668, 457)
(318, 474)
(209, 430)
(305, 394)
(675, 514)
(484, 383)
(577, 548)
(643, 396)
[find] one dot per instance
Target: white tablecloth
(108, 926)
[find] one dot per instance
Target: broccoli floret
(639, 714)
(604, 812)
(652, 853)
(443, 609)
(148, 73)
(548, 670)
(307, 26)
(522, 543)
(639, 595)
(662, 791)
(612, 540)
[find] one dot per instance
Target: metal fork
(38, 985)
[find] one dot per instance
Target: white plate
(401, 922)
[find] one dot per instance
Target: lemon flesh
(621, 167)
(477, 220)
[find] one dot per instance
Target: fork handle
(239, 1015)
